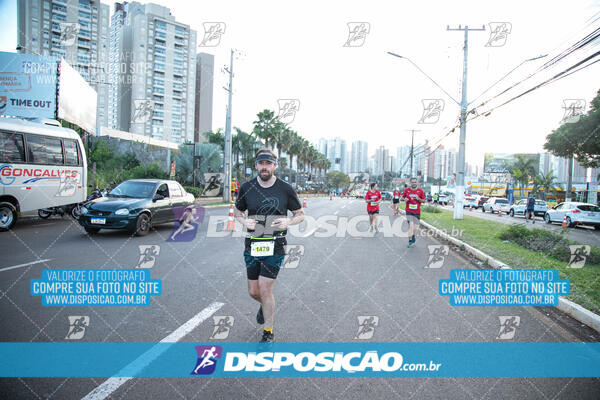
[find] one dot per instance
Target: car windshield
(540, 203)
(589, 207)
(501, 201)
(131, 189)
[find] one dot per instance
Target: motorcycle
(60, 210)
(96, 194)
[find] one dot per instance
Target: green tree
(337, 180)
(579, 139)
(522, 169)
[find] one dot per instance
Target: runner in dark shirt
(267, 200)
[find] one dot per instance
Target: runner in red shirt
(396, 200)
(413, 196)
(373, 197)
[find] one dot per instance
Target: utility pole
(569, 179)
(460, 184)
(227, 155)
(412, 152)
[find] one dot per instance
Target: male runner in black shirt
(267, 200)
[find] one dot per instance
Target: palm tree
(294, 147)
(548, 183)
(282, 135)
(522, 169)
(264, 126)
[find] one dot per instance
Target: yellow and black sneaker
(267, 336)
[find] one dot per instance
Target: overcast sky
(296, 51)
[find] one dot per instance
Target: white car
(471, 202)
(495, 204)
(519, 207)
(576, 213)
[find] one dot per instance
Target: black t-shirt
(265, 205)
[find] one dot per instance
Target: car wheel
(547, 218)
(512, 213)
(43, 213)
(569, 223)
(8, 216)
(482, 209)
(142, 225)
(597, 227)
(91, 231)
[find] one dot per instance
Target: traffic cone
(470, 207)
(230, 221)
(330, 197)
(304, 202)
(564, 223)
(499, 213)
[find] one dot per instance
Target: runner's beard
(266, 177)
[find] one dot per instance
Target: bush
(431, 209)
(197, 192)
(547, 242)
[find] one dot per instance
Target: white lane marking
(110, 385)
(24, 265)
(335, 213)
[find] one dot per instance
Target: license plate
(262, 248)
(100, 221)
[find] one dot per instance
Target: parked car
(481, 201)
(387, 195)
(519, 207)
(495, 204)
(471, 202)
(443, 199)
(576, 213)
(136, 205)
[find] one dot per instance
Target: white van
(41, 165)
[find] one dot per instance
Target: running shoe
(260, 317)
(267, 337)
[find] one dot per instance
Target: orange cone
(304, 202)
(499, 213)
(564, 223)
(330, 197)
(470, 207)
(230, 221)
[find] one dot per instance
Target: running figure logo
(77, 325)
(288, 109)
(579, 253)
(207, 359)
(67, 186)
(508, 327)
(498, 34)
(293, 254)
(69, 32)
(432, 109)
(574, 109)
(223, 324)
(357, 33)
(143, 110)
(212, 34)
(148, 254)
(436, 255)
(366, 326)
(186, 225)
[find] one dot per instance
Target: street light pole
(227, 155)
(460, 184)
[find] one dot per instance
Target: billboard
(501, 163)
(27, 85)
(77, 100)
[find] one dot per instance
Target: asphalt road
(581, 234)
(337, 280)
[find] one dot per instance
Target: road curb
(570, 308)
